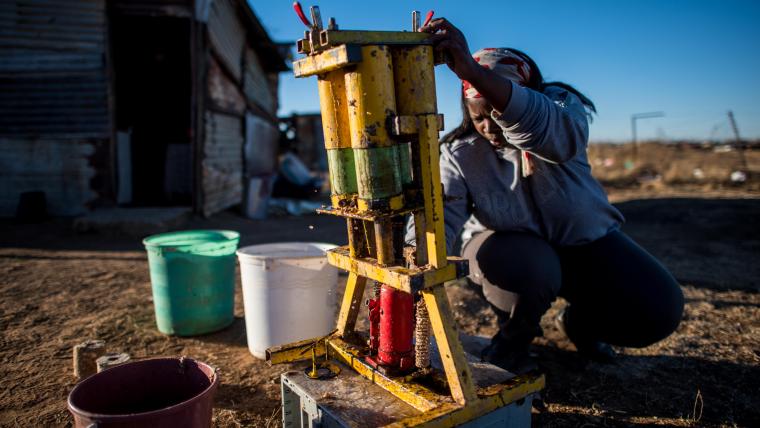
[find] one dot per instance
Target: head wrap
(504, 62)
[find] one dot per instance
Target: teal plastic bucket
(192, 274)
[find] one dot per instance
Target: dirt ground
(58, 288)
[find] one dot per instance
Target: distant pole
(734, 127)
(633, 129)
(634, 118)
(738, 142)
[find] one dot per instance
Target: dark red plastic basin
(159, 392)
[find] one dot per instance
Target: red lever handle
(428, 17)
(301, 15)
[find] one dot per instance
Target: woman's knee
(661, 316)
(639, 301)
(671, 310)
(522, 264)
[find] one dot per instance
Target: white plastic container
(288, 293)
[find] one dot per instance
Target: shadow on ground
(233, 335)
(681, 391)
(711, 243)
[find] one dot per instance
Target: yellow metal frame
(326, 61)
(330, 38)
(369, 66)
(410, 280)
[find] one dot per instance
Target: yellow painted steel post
(453, 358)
(384, 241)
(432, 190)
(414, 79)
(340, 155)
(420, 237)
(358, 244)
(371, 104)
(371, 98)
(352, 299)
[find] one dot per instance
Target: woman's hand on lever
(449, 40)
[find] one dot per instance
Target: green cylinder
(342, 171)
(377, 172)
(405, 166)
(192, 274)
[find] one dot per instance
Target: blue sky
(693, 60)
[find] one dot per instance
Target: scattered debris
(738, 177)
(112, 360)
(85, 356)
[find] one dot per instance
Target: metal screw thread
(422, 336)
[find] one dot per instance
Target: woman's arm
(449, 40)
(554, 126)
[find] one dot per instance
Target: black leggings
(618, 293)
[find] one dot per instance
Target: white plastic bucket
(288, 293)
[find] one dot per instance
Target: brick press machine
(381, 125)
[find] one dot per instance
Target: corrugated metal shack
(134, 103)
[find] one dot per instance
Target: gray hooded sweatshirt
(559, 201)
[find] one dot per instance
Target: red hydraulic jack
(391, 330)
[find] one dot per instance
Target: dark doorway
(152, 79)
